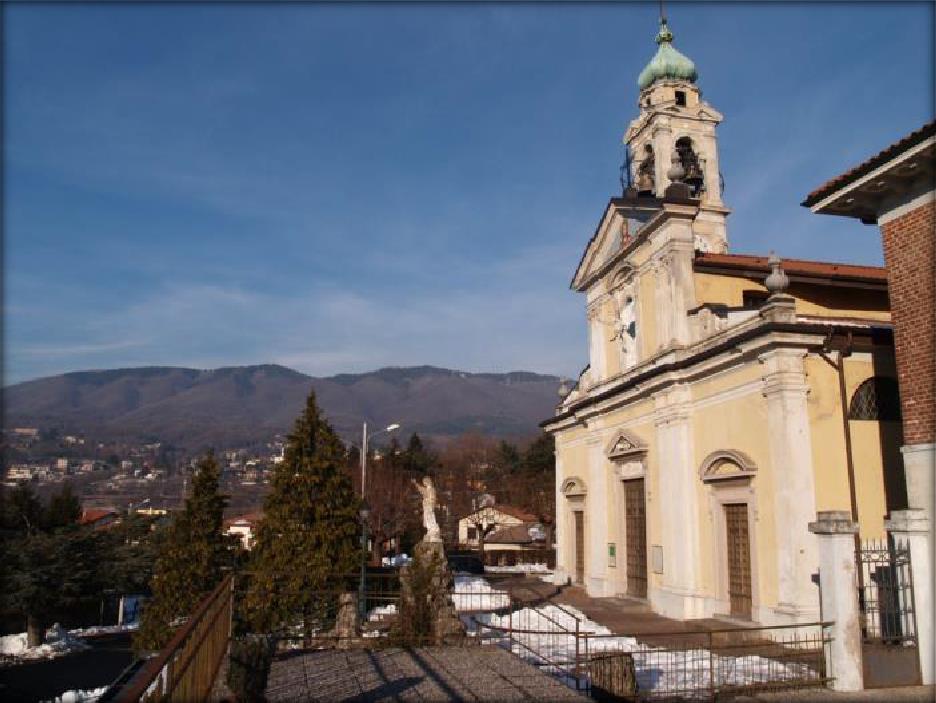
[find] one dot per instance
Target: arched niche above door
(726, 464)
(573, 487)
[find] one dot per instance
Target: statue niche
(625, 328)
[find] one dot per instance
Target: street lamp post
(365, 513)
(362, 604)
(364, 439)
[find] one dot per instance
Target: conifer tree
(64, 508)
(190, 560)
(308, 537)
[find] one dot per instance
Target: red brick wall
(909, 243)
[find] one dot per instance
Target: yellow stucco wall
(829, 457)
(734, 394)
(810, 299)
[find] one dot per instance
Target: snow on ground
(551, 641)
(104, 630)
(519, 569)
(381, 612)
(475, 593)
(80, 695)
(58, 642)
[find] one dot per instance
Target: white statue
(428, 493)
(625, 331)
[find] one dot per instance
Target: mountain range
(239, 406)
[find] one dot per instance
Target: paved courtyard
(474, 673)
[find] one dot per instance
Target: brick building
(896, 189)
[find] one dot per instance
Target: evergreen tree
(23, 511)
(417, 458)
(190, 560)
(64, 509)
(50, 574)
(308, 537)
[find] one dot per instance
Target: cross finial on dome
(664, 35)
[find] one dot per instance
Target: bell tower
(673, 140)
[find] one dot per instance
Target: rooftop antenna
(662, 13)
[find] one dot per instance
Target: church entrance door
(739, 559)
(579, 517)
(635, 525)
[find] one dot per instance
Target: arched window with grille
(877, 398)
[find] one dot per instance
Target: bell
(694, 177)
(645, 183)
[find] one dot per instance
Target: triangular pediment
(618, 227)
(625, 445)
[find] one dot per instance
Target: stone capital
(779, 308)
(911, 521)
(833, 522)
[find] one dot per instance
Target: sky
(338, 188)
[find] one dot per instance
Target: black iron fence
(885, 595)
(519, 615)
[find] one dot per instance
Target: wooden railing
(186, 668)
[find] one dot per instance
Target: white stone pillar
(919, 464)
(679, 597)
(912, 527)
(596, 520)
(790, 444)
(839, 587)
(561, 534)
(662, 154)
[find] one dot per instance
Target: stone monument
(427, 612)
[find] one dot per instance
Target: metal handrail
(141, 686)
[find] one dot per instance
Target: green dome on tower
(668, 63)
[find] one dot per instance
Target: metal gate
(635, 525)
(739, 560)
(888, 615)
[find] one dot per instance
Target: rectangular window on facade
(656, 558)
(754, 298)
(472, 533)
(612, 554)
(680, 98)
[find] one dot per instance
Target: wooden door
(739, 560)
(579, 546)
(635, 524)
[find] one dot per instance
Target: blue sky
(342, 187)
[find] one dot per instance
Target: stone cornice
(745, 342)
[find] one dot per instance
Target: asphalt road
(48, 678)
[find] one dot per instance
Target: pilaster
(596, 517)
(680, 596)
(663, 144)
(790, 446)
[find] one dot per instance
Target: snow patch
(381, 612)
(473, 593)
(57, 643)
(538, 568)
(80, 695)
(547, 634)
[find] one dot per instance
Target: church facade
(727, 397)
